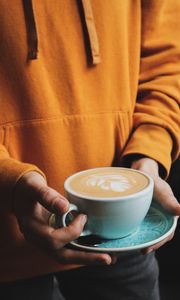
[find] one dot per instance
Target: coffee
(108, 182)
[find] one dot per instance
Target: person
(83, 84)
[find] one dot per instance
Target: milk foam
(108, 182)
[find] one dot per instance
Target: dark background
(169, 255)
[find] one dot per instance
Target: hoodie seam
(63, 117)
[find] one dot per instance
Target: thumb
(164, 195)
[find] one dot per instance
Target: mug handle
(72, 207)
(61, 221)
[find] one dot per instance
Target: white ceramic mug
(114, 216)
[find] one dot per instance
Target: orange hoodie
(70, 75)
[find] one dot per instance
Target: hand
(33, 203)
(162, 193)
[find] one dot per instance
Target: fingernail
(83, 219)
(107, 260)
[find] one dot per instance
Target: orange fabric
(59, 116)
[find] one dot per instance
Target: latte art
(115, 183)
(108, 182)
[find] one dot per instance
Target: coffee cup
(115, 200)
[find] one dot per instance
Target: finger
(146, 165)
(68, 256)
(164, 195)
(71, 232)
(47, 237)
(53, 241)
(158, 245)
(162, 191)
(52, 200)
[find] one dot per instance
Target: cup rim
(115, 198)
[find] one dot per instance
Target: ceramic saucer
(157, 225)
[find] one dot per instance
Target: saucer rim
(135, 247)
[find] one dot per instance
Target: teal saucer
(157, 225)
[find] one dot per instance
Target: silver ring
(55, 221)
(52, 220)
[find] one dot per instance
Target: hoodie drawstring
(32, 37)
(89, 30)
